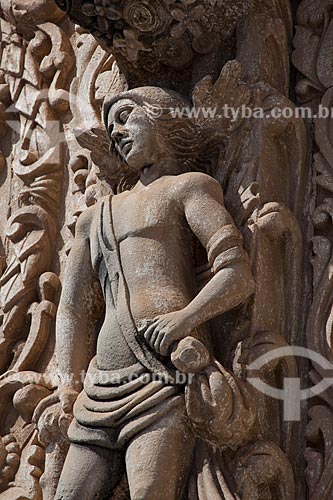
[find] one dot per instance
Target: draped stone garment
(116, 405)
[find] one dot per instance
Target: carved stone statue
(187, 414)
(141, 408)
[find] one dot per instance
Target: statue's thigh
(90, 473)
(158, 459)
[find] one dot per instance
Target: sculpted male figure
(140, 245)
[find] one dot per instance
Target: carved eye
(123, 115)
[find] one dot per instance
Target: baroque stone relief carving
(313, 38)
(150, 38)
(232, 436)
(36, 62)
(266, 211)
(287, 218)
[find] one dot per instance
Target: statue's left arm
(232, 283)
(209, 220)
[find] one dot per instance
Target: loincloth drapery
(114, 406)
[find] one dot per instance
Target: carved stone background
(277, 177)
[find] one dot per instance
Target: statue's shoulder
(199, 183)
(88, 218)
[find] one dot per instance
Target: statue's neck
(155, 171)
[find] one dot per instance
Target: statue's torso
(156, 248)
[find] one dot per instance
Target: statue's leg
(90, 473)
(158, 460)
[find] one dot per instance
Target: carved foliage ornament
(148, 33)
(313, 59)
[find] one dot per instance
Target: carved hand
(54, 414)
(163, 331)
(275, 219)
(66, 396)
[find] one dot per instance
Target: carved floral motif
(170, 32)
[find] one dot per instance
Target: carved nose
(116, 135)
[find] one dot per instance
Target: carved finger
(164, 346)
(44, 404)
(149, 332)
(160, 337)
(67, 400)
(154, 338)
(269, 208)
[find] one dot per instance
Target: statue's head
(146, 126)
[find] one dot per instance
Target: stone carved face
(145, 129)
(135, 135)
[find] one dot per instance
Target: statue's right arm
(75, 309)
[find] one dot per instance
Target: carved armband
(225, 248)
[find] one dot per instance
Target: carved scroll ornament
(312, 58)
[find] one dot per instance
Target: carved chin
(134, 157)
(134, 162)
